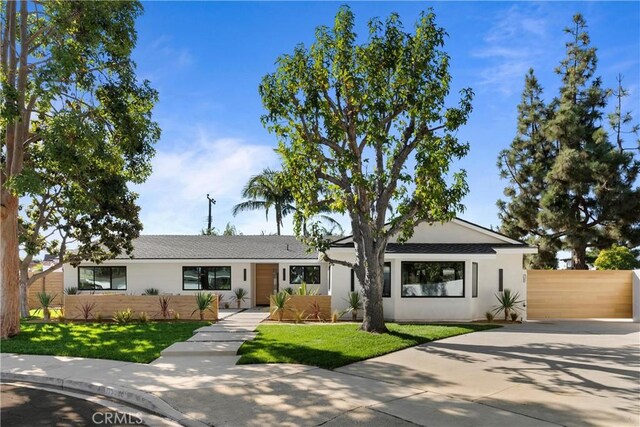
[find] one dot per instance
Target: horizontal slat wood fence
(107, 305)
(579, 294)
(303, 302)
(52, 283)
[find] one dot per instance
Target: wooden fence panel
(579, 294)
(107, 305)
(302, 302)
(52, 283)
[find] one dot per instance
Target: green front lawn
(333, 345)
(132, 342)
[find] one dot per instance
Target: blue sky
(206, 59)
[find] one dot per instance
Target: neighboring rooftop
(218, 247)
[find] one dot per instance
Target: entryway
(266, 283)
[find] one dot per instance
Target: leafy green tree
(525, 164)
(579, 189)
(617, 258)
(364, 129)
(76, 129)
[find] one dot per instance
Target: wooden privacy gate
(579, 294)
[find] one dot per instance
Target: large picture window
(309, 274)
(102, 278)
(386, 286)
(206, 278)
(432, 279)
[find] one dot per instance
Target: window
(309, 274)
(500, 280)
(102, 278)
(386, 286)
(474, 280)
(433, 279)
(206, 278)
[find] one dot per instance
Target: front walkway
(217, 344)
(568, 373)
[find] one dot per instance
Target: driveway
(568, 373)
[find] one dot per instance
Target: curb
(143, 400)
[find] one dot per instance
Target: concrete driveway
(582, 373)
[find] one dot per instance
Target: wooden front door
(266, 282)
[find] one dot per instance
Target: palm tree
(266, 191)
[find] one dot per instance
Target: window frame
(464, 279)
(353, 280)
(304, 274)
(185, 267)
(110, 267)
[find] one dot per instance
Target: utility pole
(211, 202)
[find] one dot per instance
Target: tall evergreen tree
(525, 165)
(588, 196)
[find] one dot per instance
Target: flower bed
(301, 303)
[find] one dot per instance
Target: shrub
(288, 290)
(514, 316)
(240, 295)
(71, 290)
(279, 304)
(336, 315)
(143, 317)
(46, 301)
(86, 309)
(165, 312)
(123, 316)
(176, 315)
(203, 303)
(489, 316)
(99, 317)
(315, 312)
(507, 302)
(616, 258)
(354, 301)
(151, 291)
(298, 315)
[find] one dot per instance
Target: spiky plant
(151, 291)
(508, 301)
(354, 301)
(46, 301)
(86, 310)
(279, 304)
(315, 311)
(165, 311)
(72, 290)
(240, 295)
(203, 303)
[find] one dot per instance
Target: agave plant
(279, 304)
(288, 290)
(151, 291)
(71, 290)
(240, 295)
(46, 301)
(203, 302)
(507, 302)
(305, 290)
(354, 301)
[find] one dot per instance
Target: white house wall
(166, 276)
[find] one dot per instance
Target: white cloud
(174, 200)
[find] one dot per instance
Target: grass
(333, 345)
(133, 342)
(39, 314)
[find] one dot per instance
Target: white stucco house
(448, 271)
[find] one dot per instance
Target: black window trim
(110, 267)
(200, 285)
(353, 280)
(500, 280)
(304, 274)
(464, 280)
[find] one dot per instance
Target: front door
(266, 282)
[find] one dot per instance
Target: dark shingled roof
(218, 247)
(440, 248)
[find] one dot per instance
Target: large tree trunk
(580, 258)
(24, 287)
(370, 272)
(9, 266)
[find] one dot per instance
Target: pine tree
(580, 184)
(525, 164)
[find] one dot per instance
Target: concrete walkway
(536, 374)
(217, 344)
